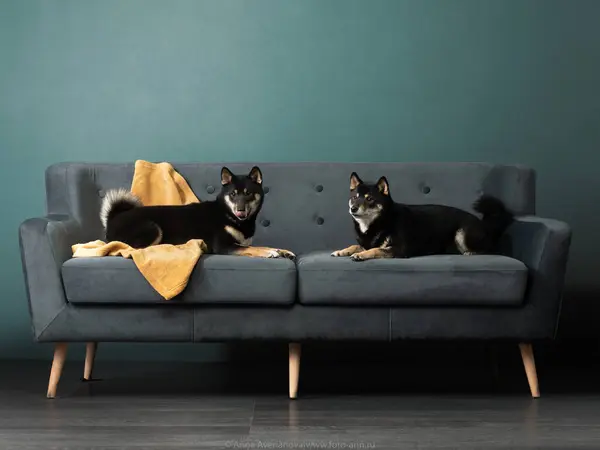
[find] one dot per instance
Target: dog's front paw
(336, 253)
(280, 253)
(273, 253)
(357, 257)
(286, 254)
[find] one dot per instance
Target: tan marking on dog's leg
(374, 253)
(348, 251)
(235, 234)
(263, 252)
(254, 252)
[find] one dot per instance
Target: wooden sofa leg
(90, 355)
(295, 350)
(60, 354)
(529, 363)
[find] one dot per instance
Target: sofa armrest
(543, 245)
(45, 245)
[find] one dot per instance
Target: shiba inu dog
(386, 229)
(226, 224)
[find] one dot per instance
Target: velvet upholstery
(454, 280)
(216, 279)
(542, 244)
(45, 246)
(305, 211)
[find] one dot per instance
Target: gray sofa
(515, 295)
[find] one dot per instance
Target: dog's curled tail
(496, 218)
(116, 202)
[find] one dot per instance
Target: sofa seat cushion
(453, 280)
(216, 279)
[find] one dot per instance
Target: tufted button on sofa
(514, 295)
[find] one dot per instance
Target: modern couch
(513, 296)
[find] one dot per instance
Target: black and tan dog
(226, 224)
(386, 229)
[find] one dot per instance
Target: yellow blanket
(166, 267)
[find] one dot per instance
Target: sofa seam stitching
(567, 243)
(411, 271)
(60, 277)
(551, 234)
(51, 322)
(188, 303)
(113, 269)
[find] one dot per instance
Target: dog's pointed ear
(354, 180)
(383, 186)
(226, 176)
(255, 175)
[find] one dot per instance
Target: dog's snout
(354, 209)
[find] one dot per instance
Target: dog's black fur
(386, 229)
(226, 225)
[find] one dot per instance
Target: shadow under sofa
(513, 296)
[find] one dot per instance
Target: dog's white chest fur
(238, 236)
(364, 223)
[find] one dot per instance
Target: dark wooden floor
(190, 406)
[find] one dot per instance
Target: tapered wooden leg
(529, 363)
(295, 350)
(60, 354)
(90, 355)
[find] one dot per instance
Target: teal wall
(280, 80)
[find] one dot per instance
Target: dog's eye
(233, 193)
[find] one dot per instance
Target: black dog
(385, 229)
(226, 224)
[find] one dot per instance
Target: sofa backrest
(306, 207)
